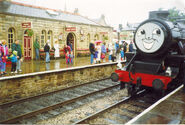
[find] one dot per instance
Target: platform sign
(70, 29)
(26, 25)
(103, 32)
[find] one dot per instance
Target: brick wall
(21, 86)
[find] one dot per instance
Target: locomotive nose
(114, 77)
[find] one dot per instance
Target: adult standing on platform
(117, 49)
(125, 48)
(57, 50)
(98, 47)
(37, 47)
(16, 47)
(103, 52)
(110, 51)
(71, 46)
(92, 51)
(131, 49)
(4, 50)
(47, 50)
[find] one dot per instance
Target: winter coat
(103, 49)
(122, 53)
(36, 45)
(92, 48)
(46, 48)
(117, 47)
(13, 58)
(4, 50)
(17, 47)
(70, 45)
(131, 47)
(125, 46)
(67, 49)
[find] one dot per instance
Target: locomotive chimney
(158, 14)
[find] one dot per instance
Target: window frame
(11, 37)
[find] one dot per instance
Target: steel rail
(126, 99)
(26, 115)
(45, 94)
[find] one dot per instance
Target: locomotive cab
(159, 60)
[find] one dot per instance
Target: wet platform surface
(170, 111)
(31, 66)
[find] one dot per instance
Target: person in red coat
(4, 50)
(67, 52)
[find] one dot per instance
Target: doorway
(71, 40)
(27, 46)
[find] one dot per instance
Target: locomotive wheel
(122, 85)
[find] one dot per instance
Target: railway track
(122, 111)
(17, 111)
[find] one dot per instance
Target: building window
(11, 37)
(43, 39)
(50, 36)
(96, 37)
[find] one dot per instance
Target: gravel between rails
(71, 116)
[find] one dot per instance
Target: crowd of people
(68, 51)
(15, 56)
(98, 51)
(115, 52)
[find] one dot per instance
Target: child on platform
(13, 59)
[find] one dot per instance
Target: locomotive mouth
(148, 43)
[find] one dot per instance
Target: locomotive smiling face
(149, 37)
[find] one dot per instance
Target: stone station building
(27, 22)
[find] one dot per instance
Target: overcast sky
(115, 11)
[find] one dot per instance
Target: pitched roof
(101, 20)
(40, 12)
(131, 26)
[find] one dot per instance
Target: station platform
(31, 66)
(168, 110)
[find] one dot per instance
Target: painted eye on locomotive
(150, 37)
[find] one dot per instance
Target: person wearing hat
(37, 47)
(16, 47)
(47, 50)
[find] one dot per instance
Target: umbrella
(98, 41)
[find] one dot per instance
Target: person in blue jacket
(122, 54)
(13, 59)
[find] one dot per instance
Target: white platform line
(153, 106)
